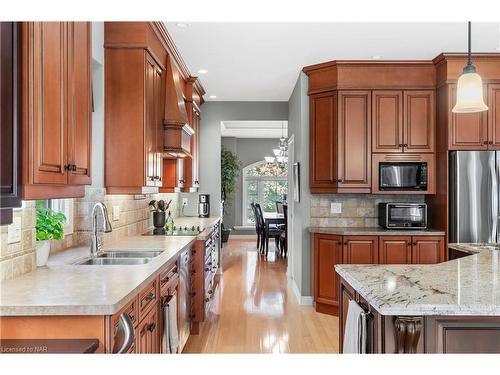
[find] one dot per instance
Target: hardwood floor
(255, 311)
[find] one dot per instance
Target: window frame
(260, 191)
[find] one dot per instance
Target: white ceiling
(254, 129)
(261, 61)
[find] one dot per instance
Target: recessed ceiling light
(182, 25)
(202, 71)
(213, 96)
(376, 57)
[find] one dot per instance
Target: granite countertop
(465, 286)
(62, 288)
(375, 231)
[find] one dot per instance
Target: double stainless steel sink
(120, 258)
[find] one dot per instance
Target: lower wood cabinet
(147, 333)
(329, 250)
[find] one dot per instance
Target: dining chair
(272, 231)
(258, 228)
(279, 207)
(284, 235)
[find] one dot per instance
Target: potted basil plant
(49, 226)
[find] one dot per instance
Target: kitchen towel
(173, 333)
(354, 330)
(165, 345)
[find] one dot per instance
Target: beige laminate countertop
(375, 231)
(62, 288)
(463, 287)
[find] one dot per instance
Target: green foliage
(230, 171)
(49, 223)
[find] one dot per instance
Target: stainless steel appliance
(124, 335)
(401, 176)
(204, 205)
(474, 196)
(402, 215)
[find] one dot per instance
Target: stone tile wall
(19, 257)
(358, 210)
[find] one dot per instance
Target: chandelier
(280, 153)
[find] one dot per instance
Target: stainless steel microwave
(403, 176)
(402, 215)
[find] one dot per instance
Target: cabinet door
(427, 250)
(196, 148)
(323, 142)
(150, 142)
(395, 250)
(79, 102)
(468, 131)
(354, 141)
(387, 121)
(46, 47)
(419, 121)
(148, 338)
(360, 250)
(327, 253)
(158, 97)
(494, 116)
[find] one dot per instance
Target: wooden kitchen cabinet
(133, 110)
(360, 250)
(403, 121)
(148, 339)
(427, 250)
(330, 249)
(56, 109)
(467, 131)
(354, 141)
(327, 252)
(395, 249)
(340, 142)
(387, 121)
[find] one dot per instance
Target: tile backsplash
(358, 210)
(134, 219)
(19, 257)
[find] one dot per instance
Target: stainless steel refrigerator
(474, 196)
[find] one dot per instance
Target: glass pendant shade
(276, 151)
(470, 94)
(269, 159)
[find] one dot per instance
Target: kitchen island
(450, 307)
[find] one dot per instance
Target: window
(61, 205)
(263, 183)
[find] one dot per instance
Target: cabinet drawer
(148, 298)
(169, 275)
(131, 309)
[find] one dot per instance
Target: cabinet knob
(151, 327)
(485, 142)
(400, 145)
(339, 180)
(405, 145)
(150, 297)
(345, 242)
(409, 243)
(207, 299)
(415, 242)
(340, 242)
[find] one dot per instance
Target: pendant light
(469, 87)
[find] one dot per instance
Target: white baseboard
(302, 300)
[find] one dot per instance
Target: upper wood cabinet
(133, 110)
(467, 131)
(403, 121)
(56, 85)
(340, 142)
(387, 121)
(354, 141)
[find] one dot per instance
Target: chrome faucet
(95, 242)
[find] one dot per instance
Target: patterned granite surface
(465, 286)
(62, 288)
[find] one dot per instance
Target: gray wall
(249, 151)
(211, 116)
(298, 126)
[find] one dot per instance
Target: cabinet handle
(409, 243)
(491, 142)
(485, 142)
(165, 280)
(339, 180)
(345, 242)
(150, 297)
(340, 242)
(192, 294)
(207, 299)
(151, 327)
(415, 242)
(405, 145)
(192, 316)
(400, 145)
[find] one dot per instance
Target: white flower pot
(42, 252)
